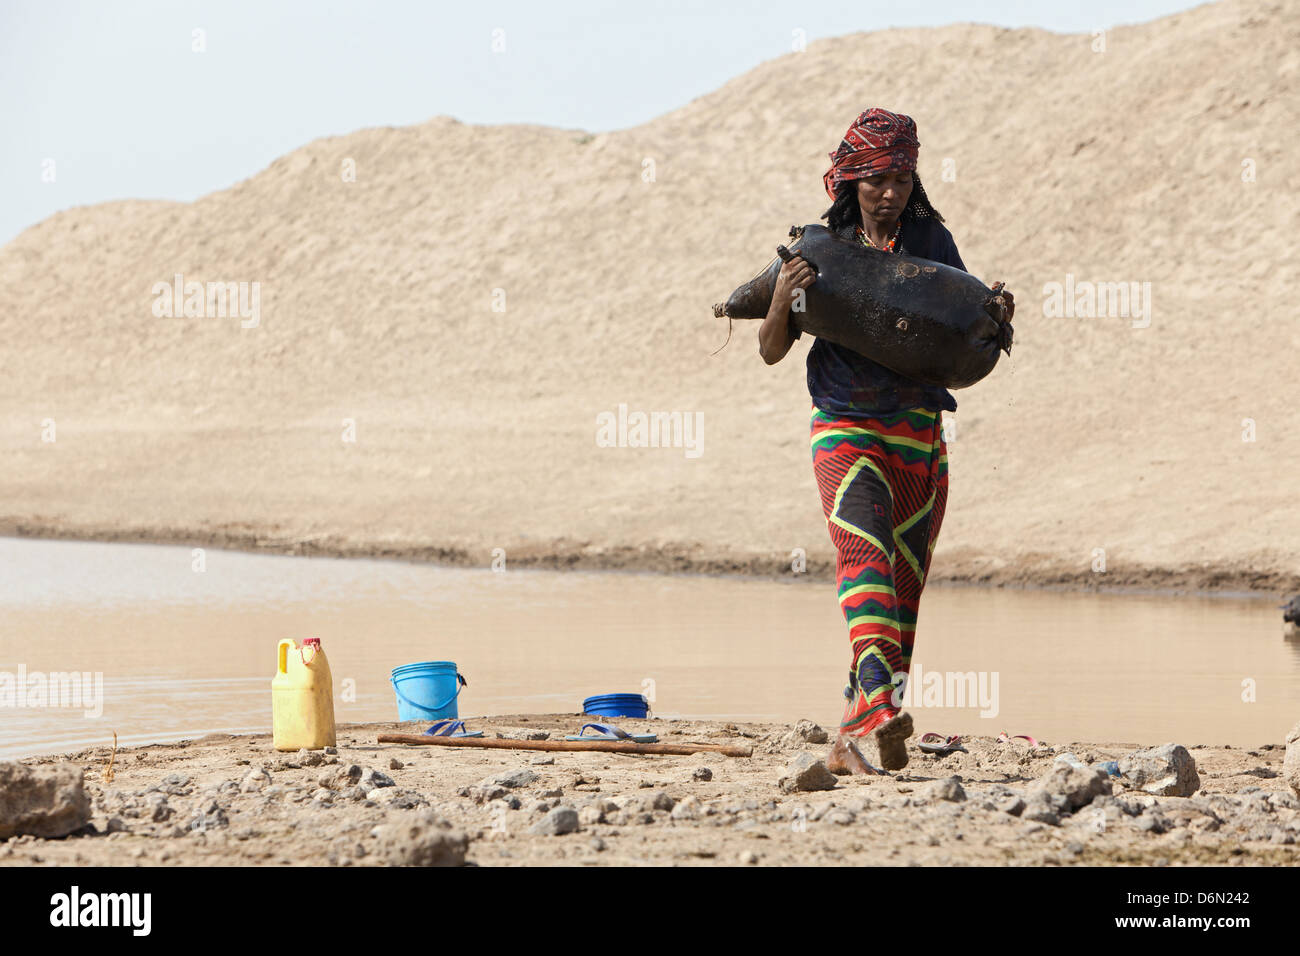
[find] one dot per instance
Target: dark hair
(845, 211)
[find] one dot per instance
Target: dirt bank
(957, 567)
(422, 381)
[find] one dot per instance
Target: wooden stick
(608, 746)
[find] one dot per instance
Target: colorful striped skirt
(884, 485)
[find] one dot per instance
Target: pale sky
(113, 93)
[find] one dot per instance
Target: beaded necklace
(889, 246)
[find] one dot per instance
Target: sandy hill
(476, 428)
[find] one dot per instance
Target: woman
(877, 440)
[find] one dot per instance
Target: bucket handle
(461, 682)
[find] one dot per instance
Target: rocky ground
(224, 800)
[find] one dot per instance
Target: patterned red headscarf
(878, 142)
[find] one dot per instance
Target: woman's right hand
(776, 335)
(794, 275)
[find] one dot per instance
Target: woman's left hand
(1007, 297)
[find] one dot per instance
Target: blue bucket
(427, 691)
(616, 705)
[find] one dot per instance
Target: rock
(352, 793)
(1012, 803)
(806, 772)
(374, 780)
(510, 779)
(115, 825)
(1166, 771)
(1281, 800)
(480, 793)
(1067, 787)
(159, 809)
(702, 774)
(256, 780)
(42, 801)
(175, 785)
(1040, 809)
(308, 758)
(688, 809)
(748, 857)
(395, 764)
(655, 800)
(341, 777)
(1152, 823)
(209, 815)
(396, 798)
(840, 816)
(323, 794)
(545, 760)
(1291, 762)
(558, 822)
(803, 732)
(1133, 805)
(424, 840)
(597, 844)
(949, 789)
(590, 815)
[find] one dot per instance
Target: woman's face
(883, 198)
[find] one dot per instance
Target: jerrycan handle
(282, 652)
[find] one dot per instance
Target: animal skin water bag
(927, 321)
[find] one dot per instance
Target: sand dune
(477, 429)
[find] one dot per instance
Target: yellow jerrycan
(302, 697)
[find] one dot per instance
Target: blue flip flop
(611, 732)
(451, 728)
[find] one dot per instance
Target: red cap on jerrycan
(314, 644)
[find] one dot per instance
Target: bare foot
(845, 758)
(891, 741)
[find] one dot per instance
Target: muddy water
(183, 652)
